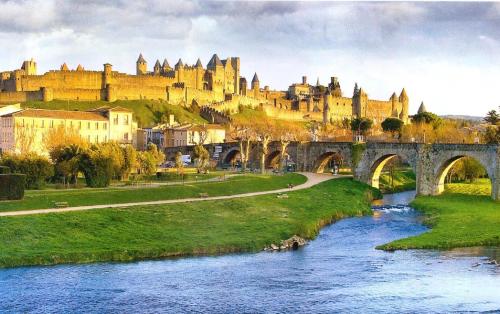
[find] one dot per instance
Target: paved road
(312, 179)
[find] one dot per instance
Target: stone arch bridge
(430, 162)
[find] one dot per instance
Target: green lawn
(457, 218)
(404, 180)
(142, 114)
(37, 199)
(147, 232)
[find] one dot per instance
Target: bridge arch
(379, 164)
(322, 160)
(273, 159)
(230, 155)
(444, 166)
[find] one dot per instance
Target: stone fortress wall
(218, 86)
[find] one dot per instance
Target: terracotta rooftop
(59, 114)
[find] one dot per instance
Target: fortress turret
(179, 71)
(326, 107)
(394, 104)
(404, 100)
(141, 65)
(243, 86)
(215, 64)
(64, 67)
(199, 74)
(29, 67)
(334, 87)
(359, 102)
(198, 63)
(157, 68)
(165, 66)
(255, 85)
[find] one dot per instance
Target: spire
(157, 64)
(215, 61)
(255, 78)
(422, 108)
(403, 96)
(64, 67)
(141, 59)
(393, 96)
(179, 63)
(165, 64)
(198, 63)
(79, 68)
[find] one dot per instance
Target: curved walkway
(312, 180)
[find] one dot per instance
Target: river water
(340, 271)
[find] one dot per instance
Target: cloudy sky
(446, 54)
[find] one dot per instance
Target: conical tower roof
(79, 68)
(165, 63)
(317, 81)
(198, 63)
(215, 61)
(64, 67)
(141, 59)
(403, 95)
(157, 64)
(255, 78)
(179, 63)
(393, 96)
(422, 108)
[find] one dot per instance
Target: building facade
(29, 129)
(189, 134)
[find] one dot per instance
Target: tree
(492, 135)
(469, 169)
(264, 131)
(285, 133)
(25, 138)
(129, 160)
(67, 161)
(492, 117)
(179, 163)
(392, 125)
(149, 160)
(361, 125)
(96, 167)
(244, 133)
(427, 118)
(201, 157)
(63, 136)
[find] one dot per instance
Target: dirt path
(312, 179)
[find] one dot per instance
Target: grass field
(404, 180)
(463, 216)
(239, 184)
(142, 114)
(148, 232)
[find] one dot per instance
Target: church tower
(141, 65)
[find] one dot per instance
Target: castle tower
(334, 87)
(29, 67)
(107, 80)
(157, 68)
(165, 67)
(199, 74)
(422, 108)
(359, 102)
(394, 105)
(256, 86)
(235, 62)
(243, 86)
(304, 80)
(179, 71)
(79, 68)
(326, 107)
(64, 67)
(141, 65)
(404, 100)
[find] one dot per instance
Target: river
(340, 271)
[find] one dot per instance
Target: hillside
(147, 112)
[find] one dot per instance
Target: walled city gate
(430, 162)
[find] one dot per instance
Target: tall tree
(264, 134)
(492, 117)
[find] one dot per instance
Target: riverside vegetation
(40, 199)
(209, 227)
(463, 216)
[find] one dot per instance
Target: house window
(115, 120)
(51, 123)
(79, 125)
(43, 123)
(125, 121)
(97, 125)
(88, 125)
(125, 136)
(105, 126)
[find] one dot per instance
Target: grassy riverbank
(463, 216)
(402, 180)
(148, 232)
(79, 197)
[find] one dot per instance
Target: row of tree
(99, 164)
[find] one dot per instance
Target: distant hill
(462, 117)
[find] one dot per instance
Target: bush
(12, 186)
(97, 168)
(37, 169)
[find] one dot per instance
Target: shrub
(12, 186)
(37, 169)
